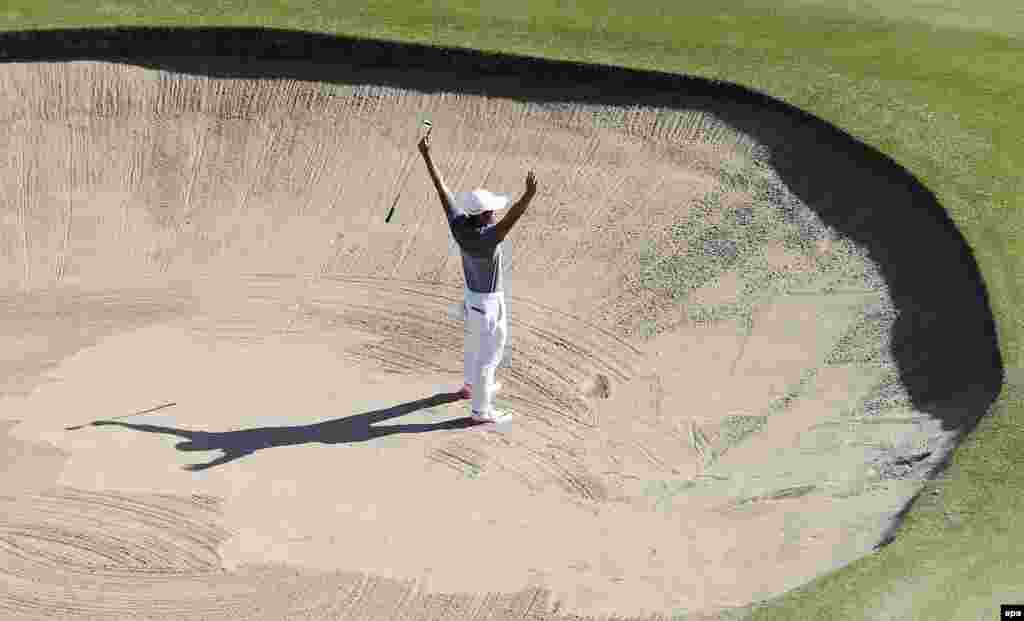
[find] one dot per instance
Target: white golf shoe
(495, 416)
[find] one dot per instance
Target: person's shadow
(357, 428)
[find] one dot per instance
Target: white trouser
(486, 326)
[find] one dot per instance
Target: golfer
(472, 219)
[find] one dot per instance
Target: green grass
(922, 81)
(984, 16)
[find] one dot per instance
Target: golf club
(391, 211)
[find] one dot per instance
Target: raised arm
(442, 189)
(516, 211)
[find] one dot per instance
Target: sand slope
(708, 413)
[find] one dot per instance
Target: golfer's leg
(471, 340)
(491, 340)
(477, 340)
(503, 328)
(483, 381)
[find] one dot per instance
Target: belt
(479, 310)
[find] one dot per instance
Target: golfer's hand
(531, 183)
(424, 145)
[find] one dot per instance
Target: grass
(664, 491)
(712, 250)
(924, 82)
(737, 427)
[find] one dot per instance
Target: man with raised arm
(472, 217)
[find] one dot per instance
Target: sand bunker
(231, 378)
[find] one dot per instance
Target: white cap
(478, 201)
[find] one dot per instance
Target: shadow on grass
(357, 428)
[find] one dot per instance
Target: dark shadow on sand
(944, 338)
(348, 430)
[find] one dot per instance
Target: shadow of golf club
(347, 430)
(943, 338)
